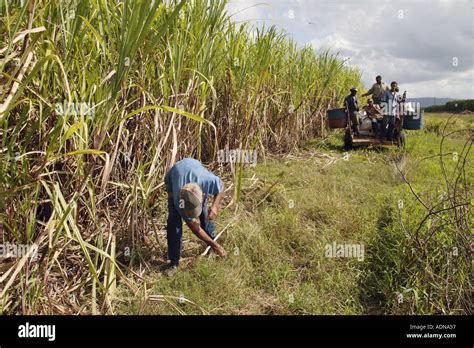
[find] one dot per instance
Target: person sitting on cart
(352, 108)
(377, 91)
(375, 114)
(392, 101)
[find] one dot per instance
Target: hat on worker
(354, 89)
(191, 198)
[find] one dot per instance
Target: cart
(339, 118)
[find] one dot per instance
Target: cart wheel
(347, 140)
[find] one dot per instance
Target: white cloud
(412, 42)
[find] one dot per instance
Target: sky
(427, 46)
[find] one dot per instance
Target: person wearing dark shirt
(352, 108)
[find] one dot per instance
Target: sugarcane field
(233, 158)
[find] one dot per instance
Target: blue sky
(425, 45)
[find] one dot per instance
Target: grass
(276, 261)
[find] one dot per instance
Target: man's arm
(369, 92)
(367, 111)
(378, 109)
(202, 235)
(213, 211)
(346, 104)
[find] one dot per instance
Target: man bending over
(189, 185)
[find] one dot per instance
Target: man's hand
(219, 250)
(202, 235)
(212, 213)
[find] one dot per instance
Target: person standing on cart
(377, 91)
(352, 108)
(392, 101)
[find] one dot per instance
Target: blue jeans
(174, 229)
(390, 120)
(376, 125)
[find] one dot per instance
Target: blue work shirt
(392, 101)
(189, 171)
